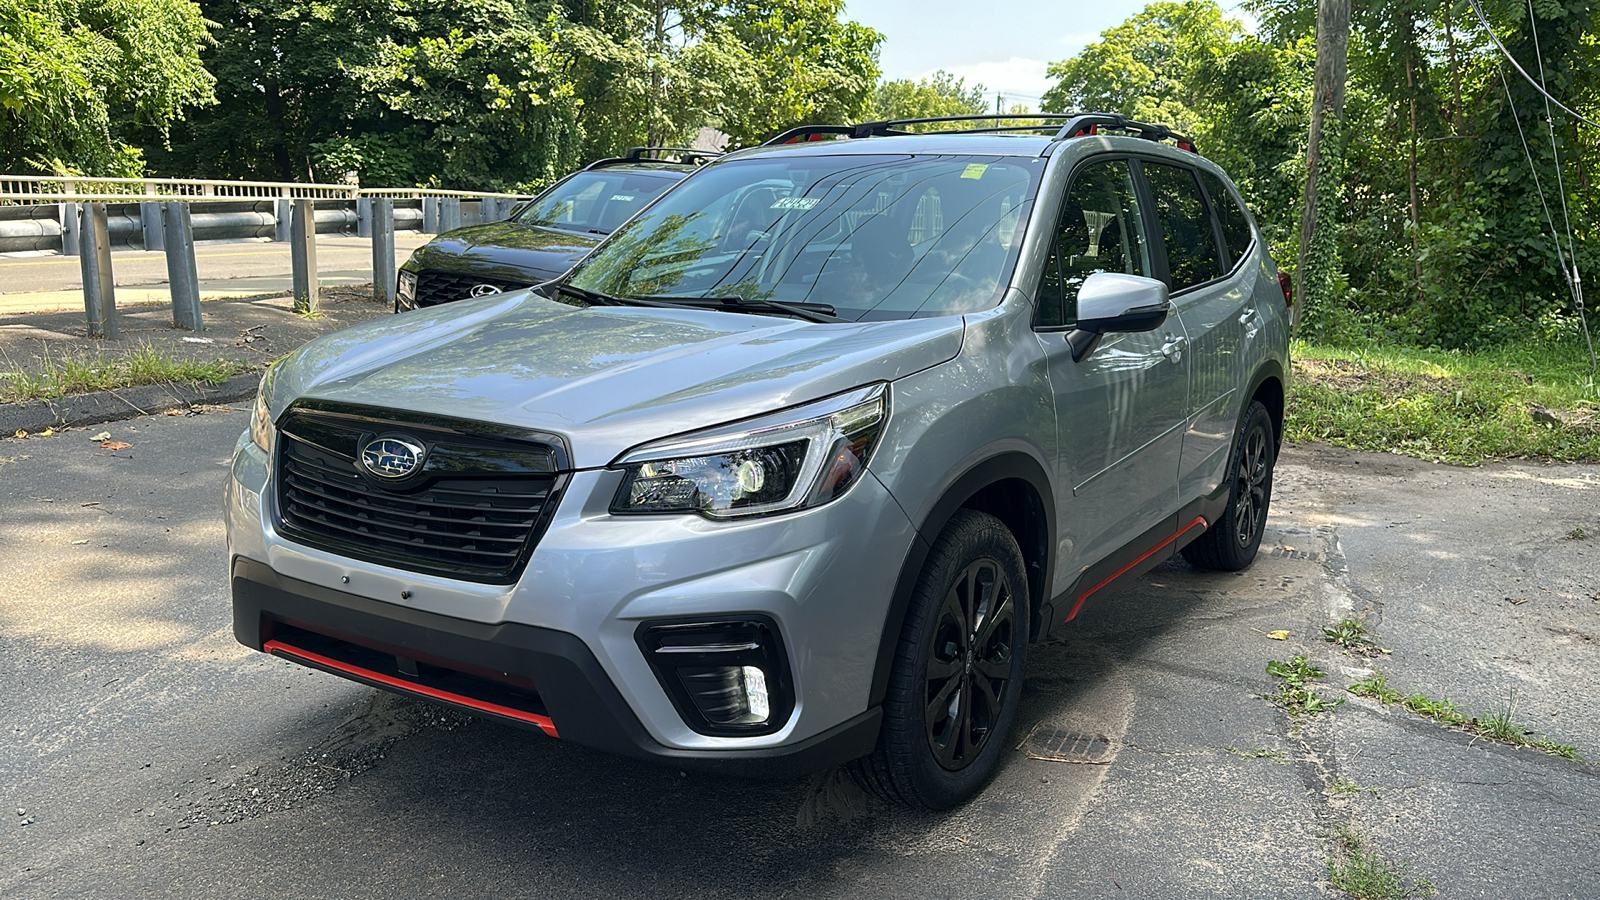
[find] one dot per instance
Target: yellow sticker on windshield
(975, 170)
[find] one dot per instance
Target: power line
(1523, 72)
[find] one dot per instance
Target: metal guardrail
(160, 210)
(15, 189)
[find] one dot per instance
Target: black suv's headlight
(262, 431)
(794, 459)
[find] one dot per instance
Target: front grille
(474, 510)
(434, 288)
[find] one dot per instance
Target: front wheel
(1231, 542)
(957, 675)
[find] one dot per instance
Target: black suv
(546, 235)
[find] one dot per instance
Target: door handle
(1248, 316)
(1172, 349)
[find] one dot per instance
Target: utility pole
(1327, 100)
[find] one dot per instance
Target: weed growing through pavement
(1260, 753)
(1296, 695)
(1496, 727)
(1353, 637)
(1361, 872)
(1344, 787)
(1577, 534)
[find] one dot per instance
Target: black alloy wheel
(969, 666)
(957, 674)
(1230, 543)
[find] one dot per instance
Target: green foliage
(507, 94)
(78, 77)
(1145, 66)
(942, 94)
(1464, 408)
(1471, 262)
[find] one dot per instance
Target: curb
(127, 403)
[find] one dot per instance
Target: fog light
(755, 694)
(725, 678)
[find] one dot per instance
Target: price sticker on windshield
(975, 170)
(795, 203)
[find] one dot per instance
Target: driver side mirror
(1111, 302)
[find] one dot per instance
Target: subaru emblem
(391, 457)
(483, 290)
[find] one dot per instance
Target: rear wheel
(957, 672)
(1231, 542)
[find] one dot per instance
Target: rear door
(1211, 306)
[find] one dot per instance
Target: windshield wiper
(810, 312)
(595, 298)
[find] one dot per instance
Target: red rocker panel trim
(1198, 520)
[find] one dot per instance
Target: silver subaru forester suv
(793, 468)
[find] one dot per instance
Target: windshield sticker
(975, 170)
(795, 203)
(625, 198)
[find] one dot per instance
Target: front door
(1120, 410)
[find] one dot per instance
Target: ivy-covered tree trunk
(1318, 259)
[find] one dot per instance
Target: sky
(1004, 45)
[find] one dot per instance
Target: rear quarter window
(1236, 231)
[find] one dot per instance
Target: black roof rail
(686, 155)
(1076, 125)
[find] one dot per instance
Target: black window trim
(1158, 256)
(1148, 196)
(1216, 218)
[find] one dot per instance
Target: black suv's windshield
(873, 237)
(596, 202)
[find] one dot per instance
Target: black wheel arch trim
(1011, 465)
(1271, 369)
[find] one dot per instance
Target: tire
(1230, 544)
(954, 688)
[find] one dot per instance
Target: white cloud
(1021, 80)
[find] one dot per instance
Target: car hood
(504, 249)
(607, 378)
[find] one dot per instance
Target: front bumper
(545, 678)
(566, 630)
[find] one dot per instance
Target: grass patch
(1353, 637)
(1359, 871)
(1296, 694)
(1495, 727)
(1535, 401)
(58, 376)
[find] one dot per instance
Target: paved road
(153, 756)
(233, 269)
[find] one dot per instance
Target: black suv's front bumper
(517, 673)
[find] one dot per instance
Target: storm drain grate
(1053, 742)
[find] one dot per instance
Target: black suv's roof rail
(1076, 125)
(686, 155)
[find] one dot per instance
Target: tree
(941, 94)
(794, 62)
(78, 78)
(1318, 256)
(1142, 68)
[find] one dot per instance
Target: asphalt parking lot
(144, 753)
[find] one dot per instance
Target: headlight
(406, 285)
(261, 429)
(795, 459)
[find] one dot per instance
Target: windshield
(875, 237)
(595, 202)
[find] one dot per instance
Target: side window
(1235, 224)
(1185, 226)
(1100, 230)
